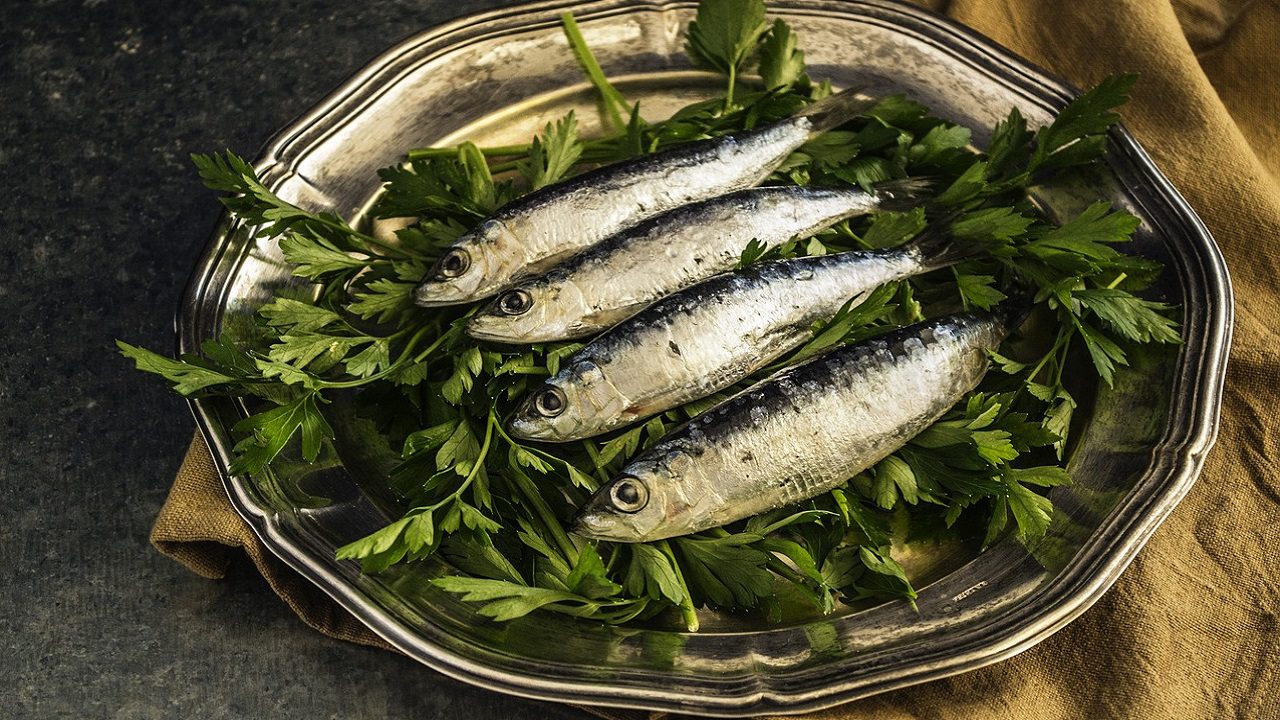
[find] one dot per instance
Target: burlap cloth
(1190, 630)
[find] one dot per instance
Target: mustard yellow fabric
(1191, 629)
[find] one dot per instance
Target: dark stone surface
(101, 217)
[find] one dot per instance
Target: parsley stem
(781, 569)
(1053, 352)
(435, 345)
(479, 461)
(687, 611)
(594, 455)
(471, 475)
(1063, 362)
(528, 371)
(593, 150)
(733, 79)
(453, 152)
(390, 368)
(345, 384)
(363, 238)
(610, 98)
(964, 301)
(1119, 279)
(533, 450)
(548, 518)
(499, 168)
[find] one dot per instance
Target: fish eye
(453, 263)
(550, 401)
(629, 495)
(514, 302)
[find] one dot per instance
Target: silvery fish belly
(626, 272)
(535, 232)
(705, 338)
(800, 433)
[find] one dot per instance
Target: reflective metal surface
(495, 78)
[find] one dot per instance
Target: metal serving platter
(495, 78)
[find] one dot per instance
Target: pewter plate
(495, 78)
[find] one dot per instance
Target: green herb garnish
(497, 509)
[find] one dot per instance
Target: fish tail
(905, 194)
(836, 110)
(937, 248)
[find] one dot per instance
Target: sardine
(537, 231)
(709, 336)
(626, 272)
(800, 433)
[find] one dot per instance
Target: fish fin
(937, 248)
(905, 193)
(836, 110)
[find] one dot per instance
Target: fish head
(637, 506)
(536, 310)
(577, 403)
(476, 266)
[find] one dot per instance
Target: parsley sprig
(496, 508)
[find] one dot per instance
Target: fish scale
(603, 285)
(533, 233)
(709, 336)
(802, 432)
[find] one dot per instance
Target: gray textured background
(101, 218)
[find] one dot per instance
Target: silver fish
(800, 433)
(618, 277)
(537, 231)
(709, 336)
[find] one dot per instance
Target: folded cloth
(198, 527)
(1189, 630)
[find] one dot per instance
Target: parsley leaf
(315, 257)
(781, 63)
(978, 291)
(725, 571)
(890, 229)
(1089, 235)
(725, 34)
(588, 577)
(939, 144)
(552, 154)
(291, 315)
(1104, 352)
(504, 600)
(752, 252)
(253, 202)
(852, 322)
(889, 576)
(1009, 147)
(1081, 124)
(383, 300)
(651, 574)
(1132, 317)
(187, 378)
(301, 349)
(268, 432)
(495, 509)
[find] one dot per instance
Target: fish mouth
(584, 524)
(492, 328)
(527, 427)
(439, 292)
(595, 525)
